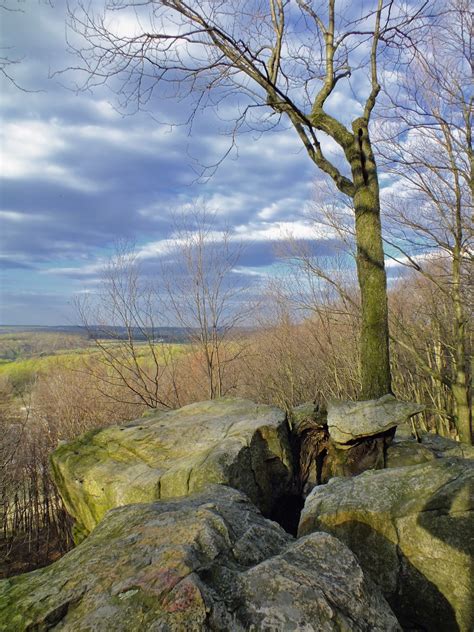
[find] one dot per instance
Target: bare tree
(421, 329)
(428, 145)
(204, 295)
(122, 319)
(301, 351)
(285, 60)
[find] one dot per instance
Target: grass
(21, 371)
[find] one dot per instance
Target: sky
(77, 176)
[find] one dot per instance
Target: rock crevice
(219, 566)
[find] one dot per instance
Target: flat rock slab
(206, 562)
(230, 441)
(349, 421)
(412, 530)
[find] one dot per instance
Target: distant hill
(170, 334)
(16, 329)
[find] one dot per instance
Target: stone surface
(405, 450)
(409, 452)
(349, 421)
(229, 441)
(355, 458)
(306, 416)
(205, 562)
(412, 530)
(314, 584)
(444, 447)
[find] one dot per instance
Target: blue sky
(77, 176)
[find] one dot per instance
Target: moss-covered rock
(307, 415)
(412, 530)
(206, 562)
(406, 450)
(349, 421)
(229, 441)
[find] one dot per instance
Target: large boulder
(230, 441)
(406, 450)
(206, 562)
(352, 437)
(412, 530)
(445, 447)
(350, 421)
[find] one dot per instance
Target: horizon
(79, 176)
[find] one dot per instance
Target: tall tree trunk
(463, 408)
(374, 338)
(461, 385)
(461, 382)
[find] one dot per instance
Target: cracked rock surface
(349, 421)
(167, 454)
(412, 530)
(209, 561)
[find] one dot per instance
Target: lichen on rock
(349, 421)
(169, 454)
(412, 530)
(209, 561)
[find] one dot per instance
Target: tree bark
(374, 337)
(461, 386)
(463, 409)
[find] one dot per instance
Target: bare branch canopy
(270, 61)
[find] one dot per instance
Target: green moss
(173, 454)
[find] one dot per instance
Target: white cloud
(27, 142)
(278, 231)
(421, 258)
(264, 231)
(158, 248)
(29, 148)
(21, 218)
(105, 109)
(108, 134)
(269, 211)
(86, 270)
(252, 272)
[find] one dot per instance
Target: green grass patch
(22, 372)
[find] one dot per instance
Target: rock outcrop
(206, 562)
(406, 450)
(349, 438)
(412, 530)
(230, 441)
(350, 421)
(173, 539)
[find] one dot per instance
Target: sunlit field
(26, 355)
